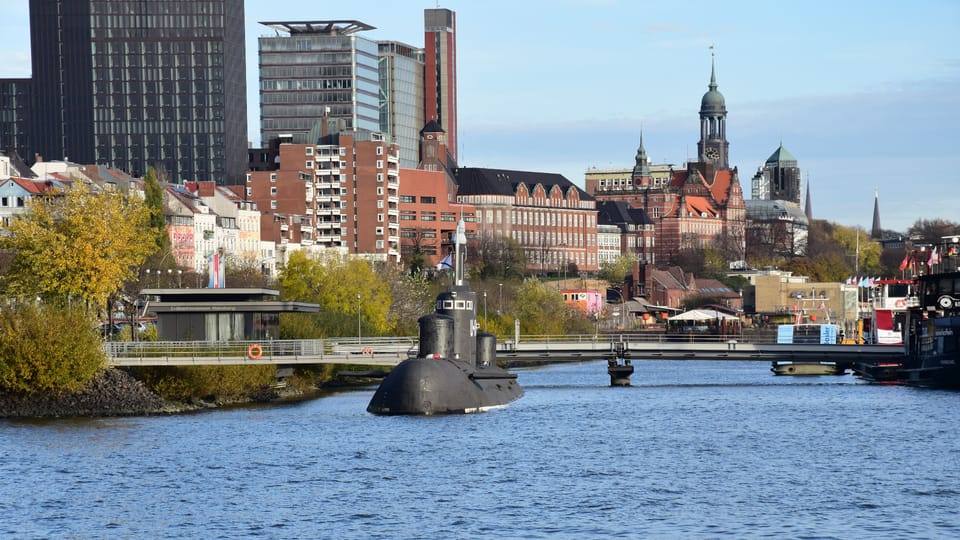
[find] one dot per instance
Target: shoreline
(115, 393)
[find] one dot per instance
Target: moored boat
(932, 356)
(882, 324)
(807, 334)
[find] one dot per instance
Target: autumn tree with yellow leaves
(75, 245)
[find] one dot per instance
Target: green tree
(540, 308)
(77, 244)
(497, 257)
(614, 272)
(334, 281)
(47, 349)
(153, 200)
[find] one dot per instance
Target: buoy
(255, 352)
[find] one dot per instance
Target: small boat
(790, 367)
(807, 334)
(455, 369)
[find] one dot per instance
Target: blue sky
(862, 93)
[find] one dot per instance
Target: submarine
(454, 370)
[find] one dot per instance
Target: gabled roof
(432, 127)
(700, 206)
(480, 181)
(619, 212)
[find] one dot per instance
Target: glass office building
(135, 84)
(401, 98)
(312, 68)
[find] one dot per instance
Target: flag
(906, 262)
(446, 263)
(934, 258)
(823, 306)
(215, 272)
(864, 282)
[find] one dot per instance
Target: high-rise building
(440, 72)
(316, 68)
(138, 84)
(401, 101)
(778, 179)
(14, 112)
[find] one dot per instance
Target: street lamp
(179, 278)
(359, 336)
(158, 277)
(623, 306)
(485, 325)
(500, 309)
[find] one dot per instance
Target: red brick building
(342, 193)
(693, 208)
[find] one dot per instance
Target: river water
(694, 449)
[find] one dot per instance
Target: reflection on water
(693, 449)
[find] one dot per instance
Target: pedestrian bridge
(391, 351)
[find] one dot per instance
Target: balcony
(284, 227)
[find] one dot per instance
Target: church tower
(433, 148)
(641, 167)
(713, 146)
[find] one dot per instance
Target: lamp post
(623, 306)
(179, 278)
(485, 325)
(359, 335)
(147, 271)
(158, 277)
(500, 308)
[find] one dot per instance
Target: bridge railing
(269, 349)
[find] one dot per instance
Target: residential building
(310, 70)
(440, 72)
(341, 193)
(138, 84)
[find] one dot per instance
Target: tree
(616, 271)
(77, 244)
(930, 231)
(540, 308)
(498, 257)
(153, 200)
(334, 281)
(47, 349)
(412, 298)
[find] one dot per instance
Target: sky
(862, 93)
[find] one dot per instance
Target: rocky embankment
(113, 393)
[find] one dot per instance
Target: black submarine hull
(425, 386)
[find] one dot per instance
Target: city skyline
(860, 93)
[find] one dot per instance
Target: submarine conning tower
(460, 304)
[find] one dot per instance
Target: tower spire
(713, 71)
(876, 232)
(641, 167)
(808, 207)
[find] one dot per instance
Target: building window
(309, 150)
(408, 199)
(273, 205)
(428, 200)
(309, 164)
(273, 191)
(379, 218)
(379, 150)
(379, 190)
(379, 231)
(273, 177)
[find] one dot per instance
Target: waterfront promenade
(391, 351)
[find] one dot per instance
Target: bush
(183, 383)
(47, 349)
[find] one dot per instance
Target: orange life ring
(367, 350)
(255, 352)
